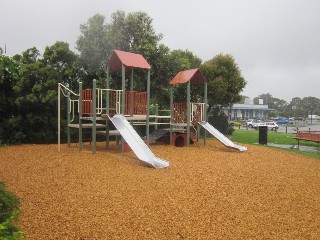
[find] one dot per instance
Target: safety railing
(66, 92)
(111, 96)
(136, 103)
(180, 112)
(108, 101)
(197, 112)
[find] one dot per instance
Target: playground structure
(193, 115)
(125, 108)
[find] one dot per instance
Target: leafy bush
(218, 119)
(9, 212)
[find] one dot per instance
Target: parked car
(313, 117)
(296, 119)
(284, 121)
(272, 126)
(251, 123)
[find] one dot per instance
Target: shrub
(218, 119)
(9, 212)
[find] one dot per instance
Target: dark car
(284, 121)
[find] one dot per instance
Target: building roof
(128, 59)
(195, 77)
(251, 107)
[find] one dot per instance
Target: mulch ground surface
(208, 192)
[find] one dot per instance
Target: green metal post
(205, 110)
(157, 114)
(188, 113)
(123, 73)
(198, 132)
(94, 116)
(59, 117)
(108, 93)
(131, 94)
(171, 113)
(148, 106)
(80, 116)
(68, 119)
(107, 108)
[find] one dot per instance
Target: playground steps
(91, 118)
(86, 125)
(111, 133)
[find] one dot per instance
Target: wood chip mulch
(208, 192)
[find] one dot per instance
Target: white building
(248, 110)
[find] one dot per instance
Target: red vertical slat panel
(87, 101)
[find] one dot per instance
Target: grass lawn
(251, 137)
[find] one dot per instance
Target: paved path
(301, 148)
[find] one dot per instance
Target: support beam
(157, 114)
(123, 74)
(107, 108)
(68, 119)
(148, 107)
(205, 118)
(188, 114)
(171, 113)
(94, 116)
(59, 118)
(80, 116)
(131, 94)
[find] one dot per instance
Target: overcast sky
(276, 43)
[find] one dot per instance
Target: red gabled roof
(128, 59)
(195, 77)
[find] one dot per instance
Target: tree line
(28, 81)
(297, 107)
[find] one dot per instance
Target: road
(302, 126)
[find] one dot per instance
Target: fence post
(80, 116)
(156, 113)
(171, 113)
(94, 116)
(59, 116)
(68, 119)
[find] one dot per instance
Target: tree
(225, 81)
(311, 104)
(9, 76)
(296, 105)
(36, 91)
(92, 46)
(117, 34)
(141, 34)
(279, 105)
(133, 32)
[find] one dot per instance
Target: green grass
(252, 137)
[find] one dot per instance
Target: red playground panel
(136, 103)
(86, 101)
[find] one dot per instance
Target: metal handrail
(100, 99)
(66, 95)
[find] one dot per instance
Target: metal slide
(226, 141)
(136, 143)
